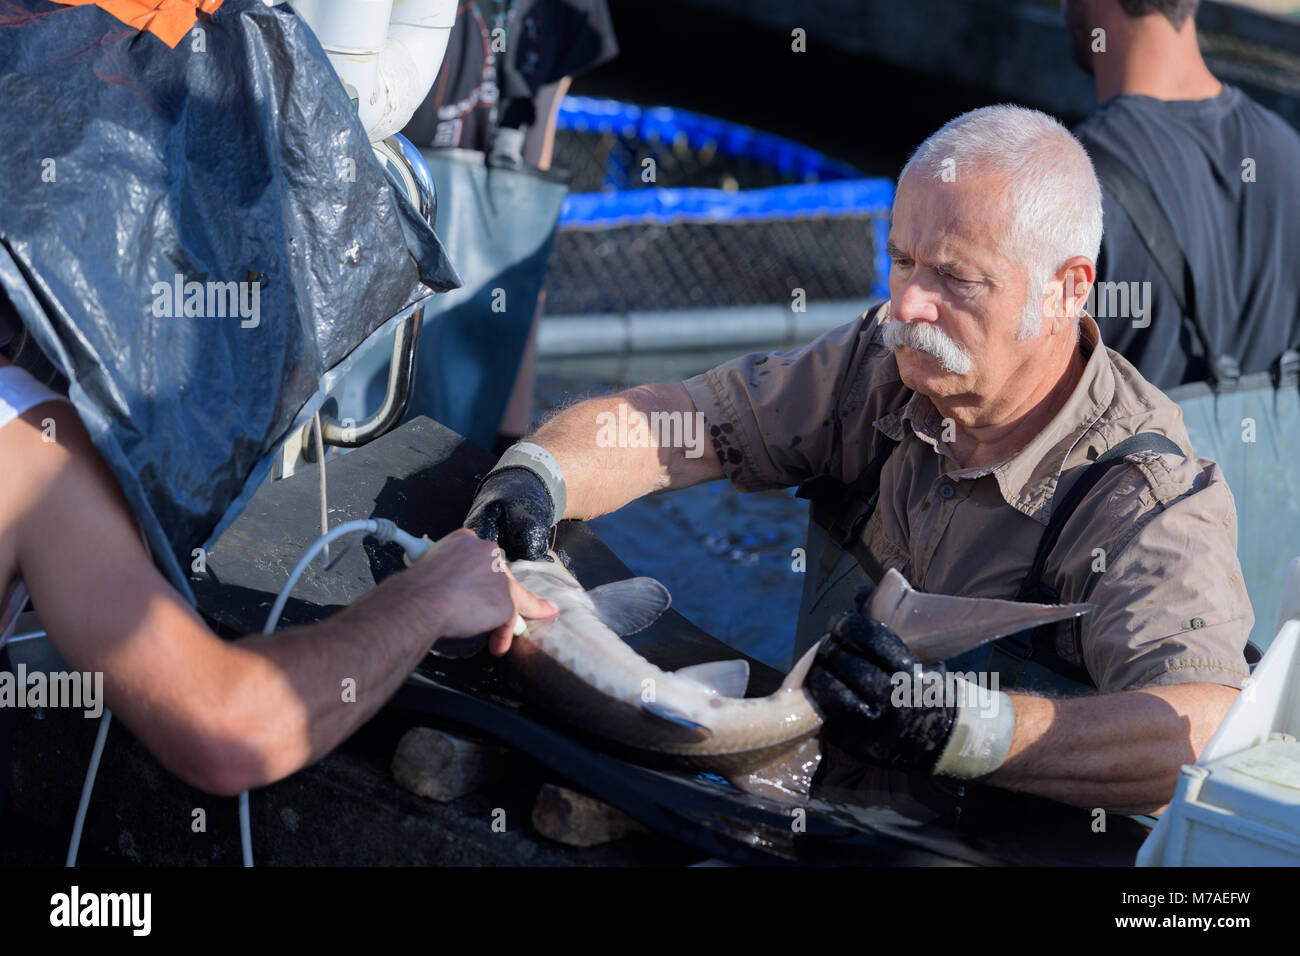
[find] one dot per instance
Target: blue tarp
(198, 238)
(654, 124)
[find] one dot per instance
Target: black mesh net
(605, 160)
(696, 265)
(707, 265)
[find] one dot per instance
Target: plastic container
(1239, 805)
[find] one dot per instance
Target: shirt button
(946, 491)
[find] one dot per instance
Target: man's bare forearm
(303, 690)
(307, 689)
(222, 716)
(1117, 751)
(601, 475)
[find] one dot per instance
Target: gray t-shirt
(1226, 171)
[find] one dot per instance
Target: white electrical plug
(413, 546)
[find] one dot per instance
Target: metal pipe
(674, 330)
(426, 197)
(397, 398)
(405, 165)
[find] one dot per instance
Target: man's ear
(1070, 290)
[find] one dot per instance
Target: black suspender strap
(1157, 235)
(1062, 510)
(1010, 654)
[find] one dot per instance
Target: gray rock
(575, 819)
(442, 766)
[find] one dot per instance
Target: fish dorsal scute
(724, 678)
(630, 606)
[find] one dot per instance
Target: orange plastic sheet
(168, 20)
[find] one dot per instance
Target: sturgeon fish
(577, 666)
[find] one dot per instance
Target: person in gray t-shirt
(1223, 169)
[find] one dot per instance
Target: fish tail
(799, 673)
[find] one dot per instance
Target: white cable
(89, 784)
(320, 467)
(245, 830)
(28, 636)
(272, 619)
(245, 824)
(381, 528)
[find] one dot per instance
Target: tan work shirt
(1153, 545)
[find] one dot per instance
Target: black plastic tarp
(198, 238)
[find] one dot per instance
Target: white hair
(1052, 189)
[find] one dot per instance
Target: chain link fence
(673, 210)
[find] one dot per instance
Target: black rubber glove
(514, 509)
(853, 681)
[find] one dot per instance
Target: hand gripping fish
(577, 666)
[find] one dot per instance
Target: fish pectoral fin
(630, 606)
(724, 678)
(788, 778)
(675, 717)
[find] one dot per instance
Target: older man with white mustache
(973, 433)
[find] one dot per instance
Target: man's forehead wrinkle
(954, 242)
(969, 210)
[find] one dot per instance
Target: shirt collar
(1028, 479)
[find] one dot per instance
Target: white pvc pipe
(676, 329)
(347, 26)
(389, 51)
(417, 41)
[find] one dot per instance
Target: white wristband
(542, 463)
(981, 737)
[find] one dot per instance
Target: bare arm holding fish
(222, 716)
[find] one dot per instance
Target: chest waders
(839, 565)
